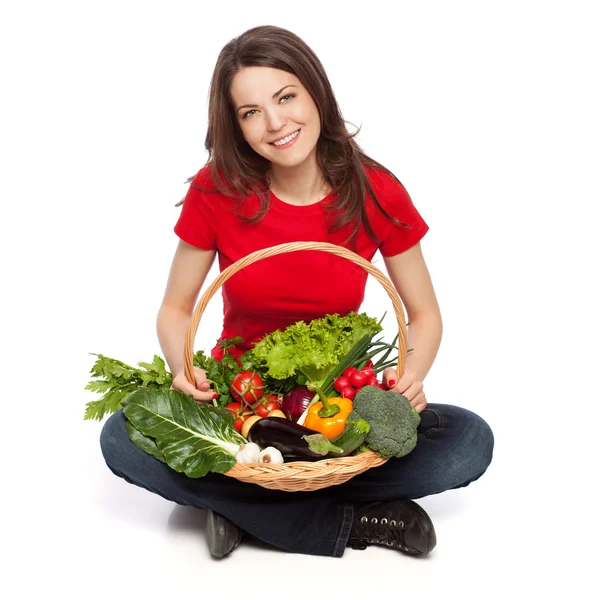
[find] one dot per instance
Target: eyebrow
(274, 96)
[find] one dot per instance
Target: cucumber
(351, 438)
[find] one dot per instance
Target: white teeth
(289, 138)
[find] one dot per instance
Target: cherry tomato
(373, 381)
(348, 392)
(358, 379)
(264, 408)
(247, 387)
(340, 383)
(368, 372)
(349, 371)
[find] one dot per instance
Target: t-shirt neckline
(304, 209)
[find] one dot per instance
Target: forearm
(424, 335)
(171, 327)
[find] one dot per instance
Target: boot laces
(381, 531)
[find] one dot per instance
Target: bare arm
(189, 270)
(410, 276)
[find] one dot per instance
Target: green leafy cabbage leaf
(312, 348)
(192, 439)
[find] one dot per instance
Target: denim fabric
(454, 448)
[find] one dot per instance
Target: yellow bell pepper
(328, 416)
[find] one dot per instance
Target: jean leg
(305, 522)
(454, 448)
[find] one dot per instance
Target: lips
(283, 137)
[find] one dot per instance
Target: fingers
(390, 377)
(200, 377)
(201, 392)
(200, 396)
(412, 391)
(203, 386)
(419, 402)
(407, 385)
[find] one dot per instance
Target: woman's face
(279, 107)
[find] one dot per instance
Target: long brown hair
(238, 171)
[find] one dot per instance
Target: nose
(275, 120)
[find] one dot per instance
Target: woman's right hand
(201, 392)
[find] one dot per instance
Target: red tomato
(264, 408)
(348, 392)
(239, 414)
(340, 383)
(358, 379)
(234, 408)
(349, 371)
(247, 387)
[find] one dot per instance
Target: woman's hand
(201, 392)
(408, 385)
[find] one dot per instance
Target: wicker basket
(299, 475)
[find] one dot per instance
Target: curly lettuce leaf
(312, 348)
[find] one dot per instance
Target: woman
(282, 167)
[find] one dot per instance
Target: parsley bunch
(116, 380)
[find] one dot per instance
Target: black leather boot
(399, 524)
(221, 534)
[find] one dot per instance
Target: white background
(486, 111)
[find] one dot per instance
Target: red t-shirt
(303, 285)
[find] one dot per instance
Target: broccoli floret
(393, 421)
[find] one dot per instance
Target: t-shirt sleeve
(196, 224)
(394, 198)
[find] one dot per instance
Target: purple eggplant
(294, 403)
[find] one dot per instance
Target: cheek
(311, 117)
(252, 133)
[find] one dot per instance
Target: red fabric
(303, 285)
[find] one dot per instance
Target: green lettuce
(312, 348)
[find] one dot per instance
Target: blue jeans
(454, 448)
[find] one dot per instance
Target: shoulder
(382, 180)
(388, 189)
(203, 189)
(203, 179)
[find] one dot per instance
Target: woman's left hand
(408, 385)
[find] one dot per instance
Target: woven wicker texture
(299, 475)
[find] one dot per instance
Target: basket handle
(231, 270)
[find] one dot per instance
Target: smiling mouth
(287, 139)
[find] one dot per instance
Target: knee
(471, 446)
(112, 439)
(480, 441)
(485, 442)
